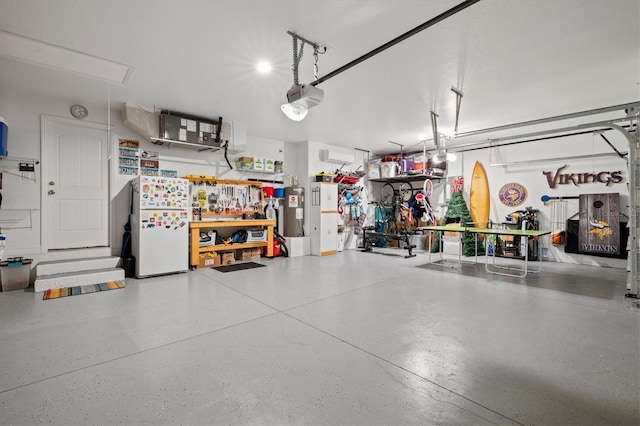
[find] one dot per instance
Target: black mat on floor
(237, 266)
(573, 283)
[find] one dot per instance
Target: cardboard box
(251, 254)
(228, 258)
(269, 165)
(324, 177)
(207, 260)
(245, 163)
(373, 169)
(258, 164)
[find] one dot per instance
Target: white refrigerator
(160, 225)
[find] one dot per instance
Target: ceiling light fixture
(301, 97)
(263, 67)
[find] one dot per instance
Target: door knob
(51, 192)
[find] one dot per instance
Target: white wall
(22, 112)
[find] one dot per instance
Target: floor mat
(237, 266)
(56, 293)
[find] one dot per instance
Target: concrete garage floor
(356, 338)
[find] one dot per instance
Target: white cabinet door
(328, 233)
(329, 197)
(323, 218)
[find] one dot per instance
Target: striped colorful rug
(55, 293)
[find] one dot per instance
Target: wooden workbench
(196, 227)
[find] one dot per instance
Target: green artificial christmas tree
(457, 212)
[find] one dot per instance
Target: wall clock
(79, 111)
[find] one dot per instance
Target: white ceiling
(514, 60)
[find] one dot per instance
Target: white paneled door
(75, 184)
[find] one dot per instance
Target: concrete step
(76, 265)
(73, 279)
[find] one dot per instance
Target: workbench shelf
(234, 246)
(196, 226)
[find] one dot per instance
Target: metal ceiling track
(546, 160)
(431, 22)
(526, 137)
(621, 107)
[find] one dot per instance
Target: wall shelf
(262, 172)
(25, 165)
(21, 160)
(200, 147)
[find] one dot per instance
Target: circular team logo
(512, 194)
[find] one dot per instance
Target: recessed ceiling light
(264, 67)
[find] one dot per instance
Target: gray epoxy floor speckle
(356, 338)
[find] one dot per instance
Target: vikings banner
(599, 223)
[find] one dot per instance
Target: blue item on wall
(3, 137)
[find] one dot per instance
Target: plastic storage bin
(14, 273)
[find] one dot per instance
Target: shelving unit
(407, 178)
(194, 237)
(371, 237)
